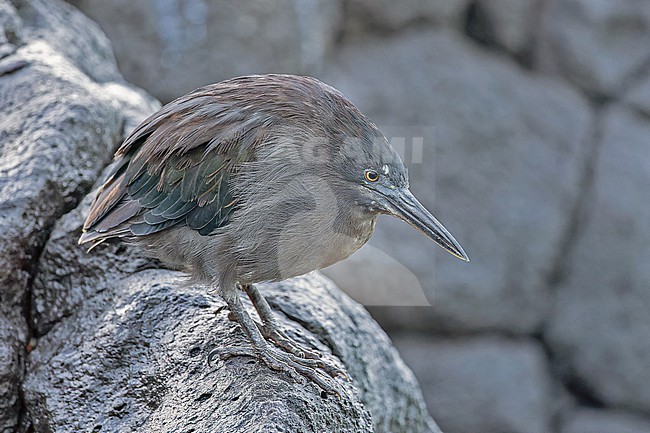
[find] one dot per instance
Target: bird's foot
(281, 340)
(278, 360)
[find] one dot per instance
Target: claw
(297, 368)
(281, 340)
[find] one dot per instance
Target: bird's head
(379, 181)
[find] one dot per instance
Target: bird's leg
(274, 357)
(270, 328)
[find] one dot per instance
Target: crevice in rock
(478, 26)
(572, 383)
(24, 425)
(561, 369)
(579, 215)
(530, 53)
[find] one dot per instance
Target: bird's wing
(176, 169)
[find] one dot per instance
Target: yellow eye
(372, 176)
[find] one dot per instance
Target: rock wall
(535, 121)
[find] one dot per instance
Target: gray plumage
(258, 178)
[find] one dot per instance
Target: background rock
(512, 22)
(597, 45)
(638, 95)
(603, 421)
(172, 47)
(364, 16)
(482, 384)
(134, 357)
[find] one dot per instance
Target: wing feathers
(176, 169)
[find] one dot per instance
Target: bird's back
(176, 167)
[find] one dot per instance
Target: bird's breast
(302, 245)
(347, 239)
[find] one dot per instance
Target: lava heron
(257, 178)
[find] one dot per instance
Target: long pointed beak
(406, 207)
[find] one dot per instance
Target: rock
(69, 274)
(363, 16)
(513, 22)
(10, 28)
(500, 171)
(58, 127)
(134, 356)
(70, 34)
(600, 325)
(13, 335)
(170, 48)
(482, 384)
(604, 421)
(638, 95)
(596, 44)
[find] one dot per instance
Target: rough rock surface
(604, 421)
(501, 175)
(58, 127)
(597, 45)
(135, 357)
(600, 323)
(157, 39)
(484, 384)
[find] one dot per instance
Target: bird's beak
(404, 205)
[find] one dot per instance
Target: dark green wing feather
(176, 169)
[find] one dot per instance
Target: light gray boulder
(482, 384)
(134, 357)
(598, 45)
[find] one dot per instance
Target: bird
(258, 178)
